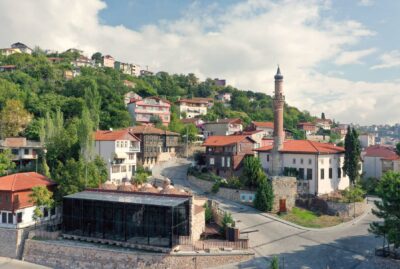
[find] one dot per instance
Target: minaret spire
(279, 136)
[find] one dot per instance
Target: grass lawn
(310, 219)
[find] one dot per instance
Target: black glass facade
(143, 224)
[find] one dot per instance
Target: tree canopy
(352, 157)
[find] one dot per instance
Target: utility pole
(187, 142)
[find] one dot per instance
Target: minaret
(279, 100)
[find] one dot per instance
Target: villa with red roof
(143, 110)
(119, 150)
(225, 154)
(317, 166)
(16, 208)
(379, 159)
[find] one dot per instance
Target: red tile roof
(147, 129)
(109, 135)
(220, 140)
(225, 121)
(305, 146)
(384, 152)
(193, 101)
(24, 181)
(263, 124)
(305, 123)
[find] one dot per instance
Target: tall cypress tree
(352, 155)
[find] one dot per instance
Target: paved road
(345, 246)
(7, 263)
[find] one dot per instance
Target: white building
(22, 47)
(222, 127)
(376, 160)
(193, 107)
(366, 140)
(16, 206)
(318, 166)
(118, 149)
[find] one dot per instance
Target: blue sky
(382, 18)
(341, 57)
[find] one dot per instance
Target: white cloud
(388, 60)
(365, 2)
(244, 45)
(353, 57)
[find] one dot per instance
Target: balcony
(134, 149)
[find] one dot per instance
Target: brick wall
(59, 254)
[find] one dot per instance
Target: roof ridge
(312, 144)
(14, 180)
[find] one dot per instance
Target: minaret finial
(278, 75)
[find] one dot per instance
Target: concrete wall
(59, 254)
(226, 193)
(372, 167)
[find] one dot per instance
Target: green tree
(140, 178)
(264, 197)
(227, 221)
(208, 213)
(13, 118)
(97, 57)
(41, 197)
(253, 174)
(6, 163)
(352, 157)
(388, 209)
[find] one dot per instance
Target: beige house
(193, 107)
(222, 127)
(108, 61)
(25, 152)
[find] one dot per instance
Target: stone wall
(11, 242)
(226, 193)
(60, 254)
(199, 224)
(284, 188)
(346, 210)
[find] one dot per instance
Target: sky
(341, 57)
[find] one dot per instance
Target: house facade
(119, 151)
(126, 68)
(9, 51)
(378, 159)
(222, 127)
(22, 47)
(108, 61)
(366, 140)
(83, 61)
(225, 154)
(317, 166)
(156, 144)
(308, 127)
(267, 127)
(143, 110)
(16, 208)
(224, 97)
(193, 107)
(323, 123)
(25, 152)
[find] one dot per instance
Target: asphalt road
(344, 246)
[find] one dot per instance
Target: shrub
(274, 263)
(227, 221)
(204, 170)
(235, 183)
(369, 184)
(208, 213)
(215, 187)
(353, 194)
(264, 197)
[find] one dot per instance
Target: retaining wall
(12, 241)
(57, 254)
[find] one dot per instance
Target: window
(10, 218)
(330, 160)
(4, 217)
(53, 211)
(294, 161)
(19, 217)
(7, 198)
(228, 161)
(344, 173)
(222, 161)
(1, 199)
(322, 161)
(268, 158)
(115, 168)
(301, 173)
(339, 172)
(15, 151)
(322, 173)
(211, 161)
(16, 198)
(330, 173)
(301, 161)
(26, 151)
(45, 212)
(309, 174)
(309, 161)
